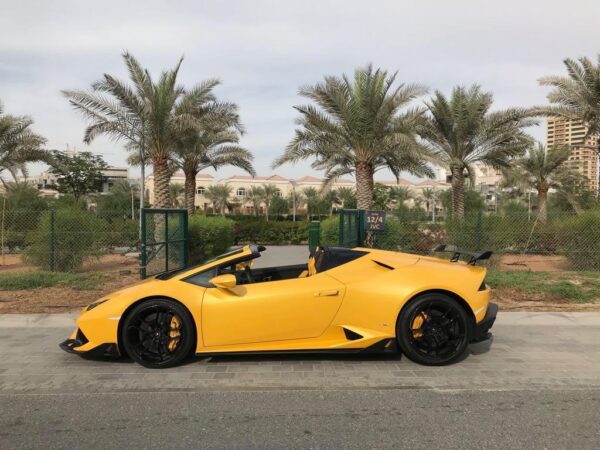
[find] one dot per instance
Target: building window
(241, 192)
(278, 193)
(200, 190)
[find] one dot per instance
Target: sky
(263, 51)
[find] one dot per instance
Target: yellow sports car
(341, 300)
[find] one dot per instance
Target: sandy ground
(120, 271)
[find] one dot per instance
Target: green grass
(578, 287)
(33, 280)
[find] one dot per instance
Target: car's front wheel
(158, 333)
(434, 330)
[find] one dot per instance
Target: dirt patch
(536, 263)
(65, 299)
(515, 300)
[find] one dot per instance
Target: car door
(270, 311)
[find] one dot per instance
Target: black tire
(158, 333)
(433, 330)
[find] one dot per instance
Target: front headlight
(93, 305)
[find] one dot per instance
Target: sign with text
(374, 220)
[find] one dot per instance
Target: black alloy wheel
(158, 333)
(434, 330)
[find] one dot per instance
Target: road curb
(37, 320)
(504, 319)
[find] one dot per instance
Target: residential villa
(242, 184)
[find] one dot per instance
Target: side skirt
(387, 345)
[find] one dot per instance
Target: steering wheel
(248, 275)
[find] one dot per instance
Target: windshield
(172, 273)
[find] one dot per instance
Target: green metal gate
(164, 243)
(352, 231)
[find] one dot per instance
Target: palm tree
(19, 144)
(430, 195)
(576, 96)
(542, 169)
(211, 149)
(400, 194)
(461, 131)
(212, 142)
(313, 201)
(357, 127)
(331, 199)
(255, 196)
(347, 197)
(269, 191)
(147, 114)
(175, 191)
(219, 195)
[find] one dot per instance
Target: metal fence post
(52, 254)
(314, 232)
(361, 228)
(186, 240)
(341, 228)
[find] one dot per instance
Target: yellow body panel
(364, 296)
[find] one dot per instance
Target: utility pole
(293, 200)
(143, 176)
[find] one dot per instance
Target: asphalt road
(304, 419)
(536, 386)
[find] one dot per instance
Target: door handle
(327, 293)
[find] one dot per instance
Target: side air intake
(351, 335)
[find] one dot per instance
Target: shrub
(330, 231)
(272, 232)
(121, 233)
(208, 237)
(579, 238)
(398, 236)
(23, 207)
(75, 238)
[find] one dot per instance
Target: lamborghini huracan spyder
(341, 300)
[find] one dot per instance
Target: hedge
(330, 231)
(271, 232)
(77, 236)
(208, 237)
(579, 239)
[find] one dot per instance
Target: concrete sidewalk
(529, 350)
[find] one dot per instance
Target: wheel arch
(461, 301)
(141, 300)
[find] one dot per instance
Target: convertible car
(341, 300)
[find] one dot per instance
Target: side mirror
(226, 281)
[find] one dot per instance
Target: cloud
(264, 50)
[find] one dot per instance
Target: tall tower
(584, 155)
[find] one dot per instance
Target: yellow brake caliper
(416, 325)
(174, 333)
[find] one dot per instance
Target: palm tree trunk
(162, 177)
(458, 192)
(364, 185)
(267, 210)
(190, 192)
(543, 204)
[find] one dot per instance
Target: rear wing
(474, 256)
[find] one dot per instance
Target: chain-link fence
(564, 241)
(63, 239)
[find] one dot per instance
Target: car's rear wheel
(158, 333)
(434, 330)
